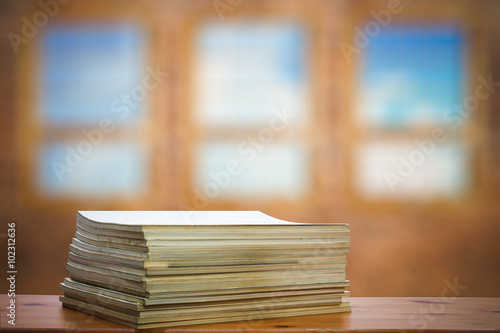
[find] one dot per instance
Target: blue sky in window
(85, 68)
(444, 174)
(280, 170)
(411, 75)
(244, 70)
(115, 169)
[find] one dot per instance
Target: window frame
(33, 133)
(197, 134)
(461, 15)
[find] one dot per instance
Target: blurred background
(381, 114)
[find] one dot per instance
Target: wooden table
(378, 314)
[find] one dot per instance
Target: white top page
(138, 218)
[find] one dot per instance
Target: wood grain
(39, 313)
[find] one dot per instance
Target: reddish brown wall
(408, 250)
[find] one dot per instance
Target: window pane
(411, 76)
(406, 171)
(244, 70)
(109, 169)
(85, 68)
(278, 170)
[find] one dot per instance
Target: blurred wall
(399, 248)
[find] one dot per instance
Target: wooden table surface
(375, 314)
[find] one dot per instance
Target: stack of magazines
(148, 269)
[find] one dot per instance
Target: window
(411, 85)
(91, 111)
(251, 110)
